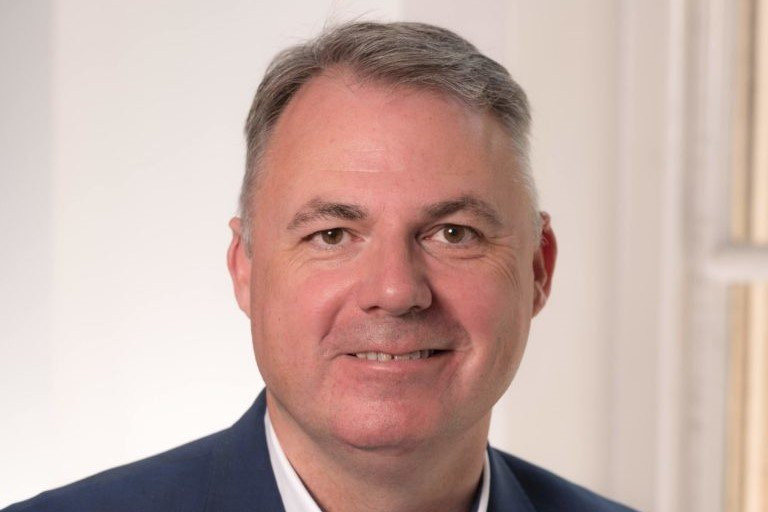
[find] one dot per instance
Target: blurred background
(121, 154)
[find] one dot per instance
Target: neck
(434, 475)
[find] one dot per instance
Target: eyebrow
(466, 202)
(320, 209)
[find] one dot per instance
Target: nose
(393, 280)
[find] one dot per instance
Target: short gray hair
(401, 54)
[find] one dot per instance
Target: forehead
(377, 116)
(339, 133)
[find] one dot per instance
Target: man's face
(394, 268)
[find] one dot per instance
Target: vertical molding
(755, 469)
(736, 392)
(756, 391)
(625, 122)
(634, 325)
(741, 142)
(707, 179)
(759, 157)
(672, 279)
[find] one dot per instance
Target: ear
(239, 264)
(543, 264)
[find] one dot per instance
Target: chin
(383, 428)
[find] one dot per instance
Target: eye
(332, 236)
(329, 237)
(455, 234)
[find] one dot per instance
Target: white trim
(624, 122)
(670, 418)
(737, 264)
(708, 180)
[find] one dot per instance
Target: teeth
(383, 357)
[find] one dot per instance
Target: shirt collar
(295, 496)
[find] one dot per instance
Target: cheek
(296, 308)
(489, 300)
(496, 311)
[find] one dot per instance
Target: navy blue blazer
(230, 472)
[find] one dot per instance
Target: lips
(385, 357)
(391, 340)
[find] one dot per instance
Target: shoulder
(546, 491)
(173, 480)
(229, 470)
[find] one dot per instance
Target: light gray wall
(26, 243)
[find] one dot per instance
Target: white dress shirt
(295, 496)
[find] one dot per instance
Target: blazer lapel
(241, 474)
(507, 495)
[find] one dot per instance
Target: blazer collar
(506, 491)
(241, 474)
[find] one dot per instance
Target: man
(390, 256)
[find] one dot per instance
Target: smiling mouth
(385, 357)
